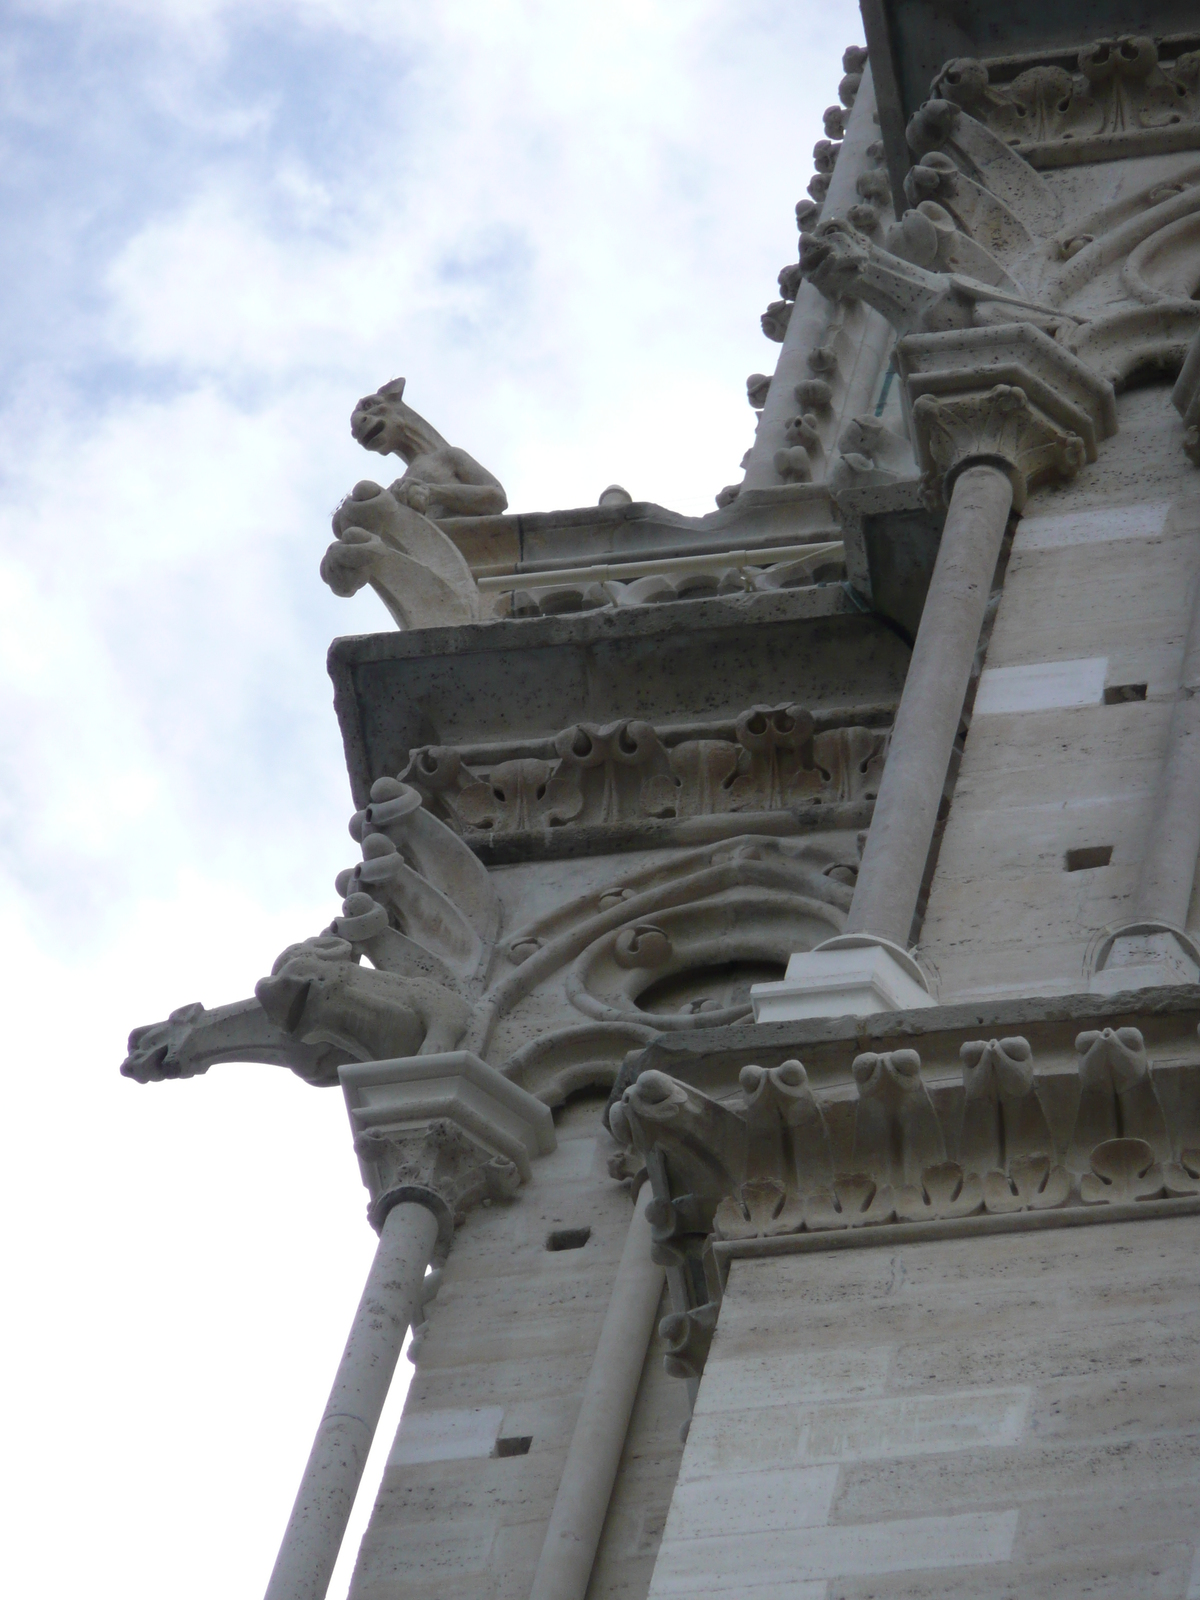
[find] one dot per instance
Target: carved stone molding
(771, 759)
(998, 425)
(1004, 1140)
(1007, 394)
(1123, 94)
(730, 573)
(444, 1130)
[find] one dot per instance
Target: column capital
(446, 1131)
(1007, 396)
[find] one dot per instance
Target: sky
(224, 223)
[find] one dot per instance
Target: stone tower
(766, 1004)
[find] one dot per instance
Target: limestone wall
(506, 1353)
(1096, 603)
(1014, 1416)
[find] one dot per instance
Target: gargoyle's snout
(283, 998)
(813, 253)
(148, 1066)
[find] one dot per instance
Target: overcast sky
(223, 223)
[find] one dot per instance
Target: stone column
(981, 446)
(565, 1565)
(889, 878)
(434, 1136)
(325, 1499)
(1153, 948)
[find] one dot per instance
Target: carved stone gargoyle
(442, 480)
(389, 537)
(423, 910)
(845, 265)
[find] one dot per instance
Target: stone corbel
(446, 1131)
(997, 425)
(1008, 396)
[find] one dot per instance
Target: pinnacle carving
(1000, 425)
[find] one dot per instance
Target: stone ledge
(528, 540)
(726, 1251)
(709, 1058)
(483, 682)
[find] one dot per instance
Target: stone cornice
(1122, 97)
(1008, 1137)
(1168, 1018)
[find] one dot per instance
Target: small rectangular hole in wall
(568, 1238)
(1088, 856)
(516, 1444)
(1117, 694)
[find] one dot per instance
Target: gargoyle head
(159, 1051)
(833, 256)
(383, 422)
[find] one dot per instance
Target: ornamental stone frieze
(1123, 94)
(770, 758)
(890, 1146)
(1001, 1141)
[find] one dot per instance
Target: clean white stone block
(788, 1497)
(1042, 686)
(446, 1434)
(863, 1430)
(734, 1383)
(847, 982)
(736, 1563)
(912, 1425)
(1091, 527)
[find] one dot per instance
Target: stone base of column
(1147, 955)
(852, 975)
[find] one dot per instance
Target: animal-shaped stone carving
(192, 1039)
(442, 480)
(317, 993)
(845, 265)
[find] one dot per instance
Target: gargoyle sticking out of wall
(389, 538)
(845, 265)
